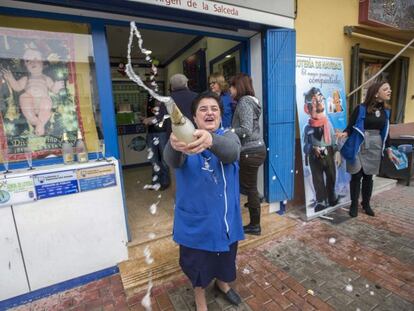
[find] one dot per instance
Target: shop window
(47, 87)
(366, 63)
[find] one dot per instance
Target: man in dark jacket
(159, 131)
(181, 94)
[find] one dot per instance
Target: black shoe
(338, 198)
(231, 295)
(320, 207)
(368, 210)
(353, 212)
(252, 229)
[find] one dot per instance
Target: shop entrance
(195, 56)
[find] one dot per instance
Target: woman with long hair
(367, 134)
(246, 125)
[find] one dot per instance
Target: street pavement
(364, 263)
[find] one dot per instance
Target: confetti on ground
(246, 271)
(153, 208)
(147, 253)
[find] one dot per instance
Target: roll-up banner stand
(322, 110)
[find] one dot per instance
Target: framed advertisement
(321, 106)
(40, 92)
(229, 68)
(194, 68)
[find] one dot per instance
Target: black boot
(367, 185)
(354, 186)
(254, 226)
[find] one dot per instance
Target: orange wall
(319, 31)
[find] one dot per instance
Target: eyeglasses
(319, 98)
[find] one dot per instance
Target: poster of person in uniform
(38, 92)
(321, 106)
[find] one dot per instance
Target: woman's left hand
(204, 140)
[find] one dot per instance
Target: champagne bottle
(67, 150)
(81, 152)
(181, 126)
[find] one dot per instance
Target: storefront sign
(16, 190)
(321, 106)
(225, 10)
(280, 7)
(96, 177)
(55, 184)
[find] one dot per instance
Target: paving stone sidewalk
(361, 264)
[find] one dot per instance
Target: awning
(383, 34)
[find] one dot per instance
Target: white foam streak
(146, 301)
(129, 70)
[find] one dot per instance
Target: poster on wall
(321, 106)
(38, 92)
(194, 68)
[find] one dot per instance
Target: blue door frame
(279, 54)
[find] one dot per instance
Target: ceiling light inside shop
(228, 56)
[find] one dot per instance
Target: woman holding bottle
(207, 218)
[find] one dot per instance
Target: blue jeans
(163, 175)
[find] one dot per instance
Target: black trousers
(355, 188)
(250, 161)
(324, 176)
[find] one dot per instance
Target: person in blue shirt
(218, 85)
(207, 217)
(367, 138)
